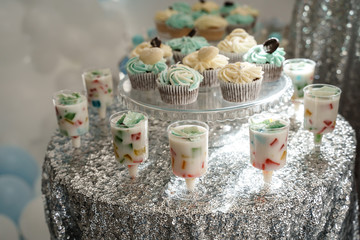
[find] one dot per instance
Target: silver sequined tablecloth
(88, 196)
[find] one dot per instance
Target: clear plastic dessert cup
(321, 105)
(72, 114)
(99, 89)
(188, 141)
(268, 142)
(301, 71)
(130, 139)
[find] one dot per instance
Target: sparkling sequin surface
(89, 196)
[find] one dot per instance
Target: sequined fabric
(88, 196)
(328, 32)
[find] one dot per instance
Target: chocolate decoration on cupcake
(271, 45)
(155, 42)
(170, 8)
(202, 1)
(228, 3)
(192, 33)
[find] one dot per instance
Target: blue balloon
(151, 32)
(18, 162)
(137, 39)
(14, 196)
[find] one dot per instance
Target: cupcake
(155, 42)
(269, 56)
(207, 6)
(143, 70)
(236, 44)
(204, 8)
(160, 21)
(211, 27)
(242, 17)
(207, 61)
(226, 8)
(181, 7)
(185, 45)
(179, 84)
(179, 24)
(240, 81)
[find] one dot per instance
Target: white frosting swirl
(206, 58)
(245, 10)
(240, 72)
(238, 41)
(136, 51)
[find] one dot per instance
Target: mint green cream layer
(180, 20)
(181, 75)
(239, 19)
(135, 65)
(258, 55)
(187, 45)
(182, 7)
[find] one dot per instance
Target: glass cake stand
(210, 105)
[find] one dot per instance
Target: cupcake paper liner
(233, 57)
(210, 79)
(177, 33)
(143, 81)
(240, 92)
(212, 34)
(178, 56)
(271, 72)
(178, 95)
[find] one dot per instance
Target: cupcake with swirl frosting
(155, 42)
(207, 61)
(269, 56)
(240, 81)
(160, 21)
(144, 69)
(242, 17)
(211, 27)
(179, 84)
(179, 24)
(186, 45)
(236, 44)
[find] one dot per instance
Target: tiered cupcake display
(211, 20)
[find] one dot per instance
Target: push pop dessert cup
(301, 71)
(321, 104)
(268, 143)
(72, 114)
(188, 142)
(130, 139)
(99, 88)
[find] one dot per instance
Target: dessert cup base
(76, 142)
(133, 169)
(102, 112)
(179, 190)
(267, 176)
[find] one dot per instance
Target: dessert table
(89, 196)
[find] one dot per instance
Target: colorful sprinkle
(67, 120)
(183, 164)
(128, 157)
(96, 103)
(196, 152)
(136, 136)
(269, 161)
(273, 142)
(203, 164)
(139, 152)
(331, 106)
(327, 122)
(173, 153)
(70, 116)
(307, 113)
(322, 130)
(282, 146)
(283, 156)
